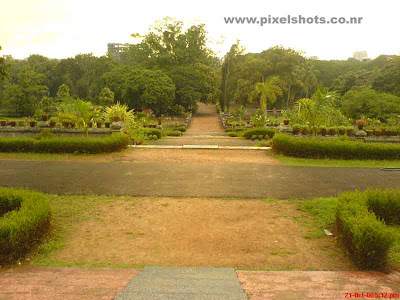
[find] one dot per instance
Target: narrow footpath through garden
(205, 129)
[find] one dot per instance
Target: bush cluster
(24, 218)
(181, 128)
(153, 132)
(265, 132)
(115, 142)
(314, 148)
(363, 232)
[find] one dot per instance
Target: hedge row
(115, 142)
(363, 233)
(265, 132)
(314, 148)
(173, 133)
(24, 218)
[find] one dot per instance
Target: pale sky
(64, 28)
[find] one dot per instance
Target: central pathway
(205, 122)
(201, 283)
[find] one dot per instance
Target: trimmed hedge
(153, 131)
(115, 142)
(265, 132)
(314, 148)
(174, 133)
(25, 218)
(367, 238)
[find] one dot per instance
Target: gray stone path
(173, 283)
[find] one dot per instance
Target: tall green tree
(227, 65)
(366, 102)
(3, 68)
(106, 97)
(23, 96)
(268, 90)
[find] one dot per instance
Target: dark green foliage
(265, 132)
(116, 142)
(181, 128)
(366, 102)
(385, 205)
(153, 131)
(45, 134)
(314, 148)
(26, 218)
(367, 238)
(233, 134)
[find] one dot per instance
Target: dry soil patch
(249, 234)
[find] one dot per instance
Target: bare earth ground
(196, 156)
(198, 232)
(44, 283)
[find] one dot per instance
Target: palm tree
(268, 90)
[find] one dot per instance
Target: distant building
(360, 55)
(115, 49)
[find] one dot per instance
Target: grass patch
(67, 211)
(323, 212)
(323, 216)
(328, 162)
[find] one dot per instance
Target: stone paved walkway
(201, 283)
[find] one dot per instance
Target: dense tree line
(170, 69)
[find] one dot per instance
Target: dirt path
(205, 122)
(250, 234)
(50, 283)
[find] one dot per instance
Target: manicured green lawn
(308, 162)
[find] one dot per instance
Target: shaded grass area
(309, 162)
(323, 213)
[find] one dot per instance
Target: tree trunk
(226, 102)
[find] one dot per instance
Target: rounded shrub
(153, 131)
(24, 218)
(265, 132)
